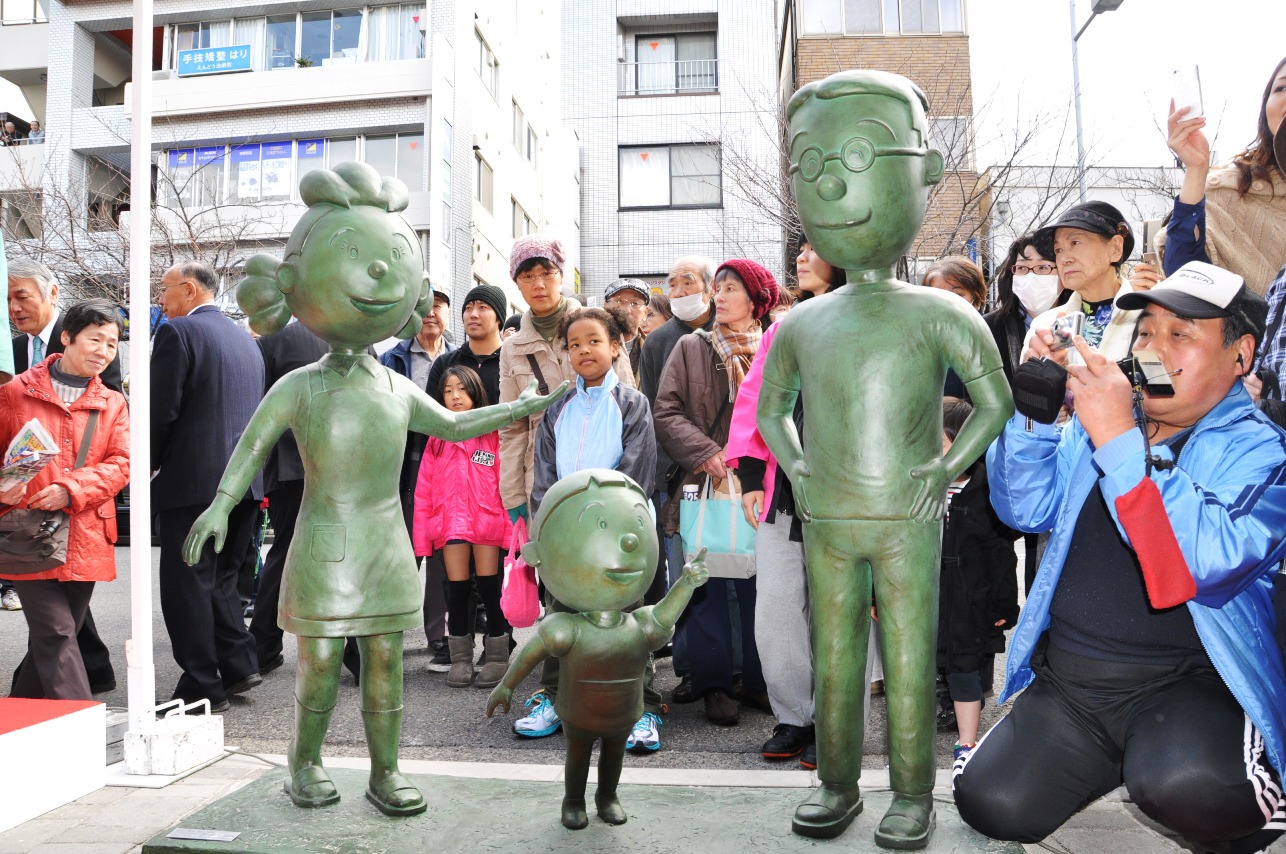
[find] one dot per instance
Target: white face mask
(688, 308)
(1037, 293)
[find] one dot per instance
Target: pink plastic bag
(520, 600)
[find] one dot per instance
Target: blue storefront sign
(214, 60)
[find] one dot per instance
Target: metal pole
(1076, 97)
(138, 649)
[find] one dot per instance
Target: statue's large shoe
(394, 795)
(908, 823)
(828, 811)
(311, 786)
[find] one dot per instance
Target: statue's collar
(344, 363)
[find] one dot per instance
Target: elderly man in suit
(207, 379)
(34, 312)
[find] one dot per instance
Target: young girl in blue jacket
(600, 424)
(458, 511)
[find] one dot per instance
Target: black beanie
(492, 296)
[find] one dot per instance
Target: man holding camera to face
(1146, 646)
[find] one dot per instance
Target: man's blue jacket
(1208, 532)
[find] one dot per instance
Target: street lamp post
(1096, 8)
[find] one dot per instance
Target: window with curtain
(645, 177)
(253, 31)
(519, 123)
(394, 34)
(200, 35)
(670, 176)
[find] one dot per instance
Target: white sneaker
(9, 600)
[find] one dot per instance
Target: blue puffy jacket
(1223, 504)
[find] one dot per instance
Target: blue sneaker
(541, 721)
(646, 737)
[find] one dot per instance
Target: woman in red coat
(61, 391)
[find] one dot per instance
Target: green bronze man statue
(594, 542)
(353, 274)
(870, 479)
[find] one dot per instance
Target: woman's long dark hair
(1257, 161)
(1006, 303)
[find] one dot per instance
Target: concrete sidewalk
(118, 819)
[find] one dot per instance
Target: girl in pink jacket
(458, 510)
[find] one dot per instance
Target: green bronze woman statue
(353, 274)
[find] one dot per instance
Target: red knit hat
(760, 284)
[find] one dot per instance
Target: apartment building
(249, 98)
(926, 41)
(675, 104)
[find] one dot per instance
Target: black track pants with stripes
(1174, 736)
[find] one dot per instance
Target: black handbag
(34, 541)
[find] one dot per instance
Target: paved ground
(447, 734)
(441, 723)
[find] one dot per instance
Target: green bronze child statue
(594, 542)
(353, 274)
(870, 485)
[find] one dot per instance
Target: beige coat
(518, 439)
(1246, 234)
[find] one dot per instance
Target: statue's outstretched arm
(430, 417)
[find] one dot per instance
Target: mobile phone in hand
(1186, 86)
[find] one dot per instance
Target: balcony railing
(682, 77)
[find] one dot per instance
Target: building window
(399, 156)
(522, 224)
(22, 12)
(519, 124)
(488, 68)
(874, 17)
(670, 176)
(250, 173)
(532, 143)
(484, 180)
(394, 33)
(950, 135)
(670, 64)
(312, 38)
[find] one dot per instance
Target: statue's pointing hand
(531, 401)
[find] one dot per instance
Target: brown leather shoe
(721, 709)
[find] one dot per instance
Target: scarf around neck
(547, 326)
(736, 350)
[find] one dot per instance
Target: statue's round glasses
(857, 155)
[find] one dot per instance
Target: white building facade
(249, 98)
(675, 104)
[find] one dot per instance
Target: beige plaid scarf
(736, 350)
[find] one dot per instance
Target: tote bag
(719, 526)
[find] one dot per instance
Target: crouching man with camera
(1146, 647)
